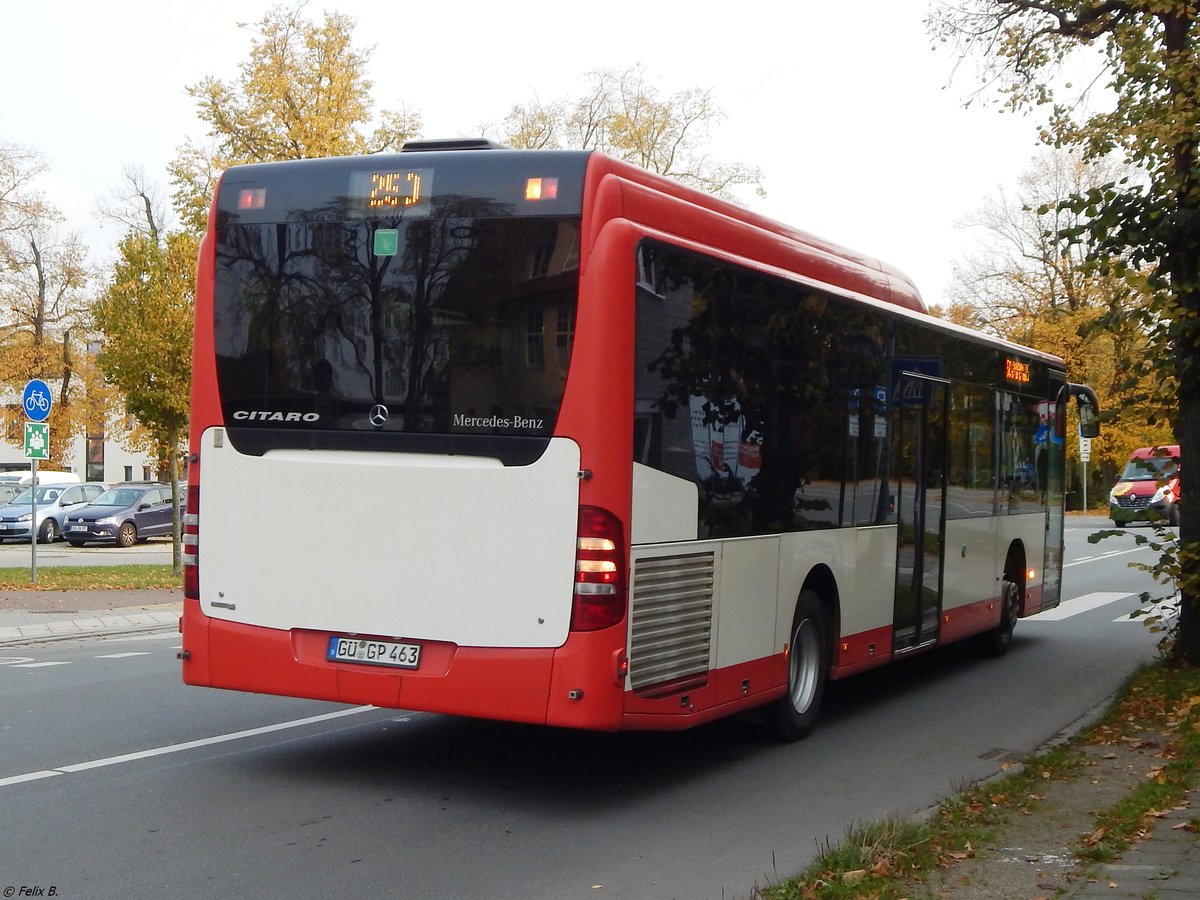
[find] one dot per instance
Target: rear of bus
(385, 491)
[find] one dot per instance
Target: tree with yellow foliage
(44, 294)
(302, 93)
(146, 315)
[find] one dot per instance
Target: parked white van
(25, 476)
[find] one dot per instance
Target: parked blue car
(122, 515)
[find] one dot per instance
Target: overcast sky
(857, 124)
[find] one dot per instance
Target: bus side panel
(857, 558)
(970, 585)
(752, 587)
(1029, 530)
(748, 597)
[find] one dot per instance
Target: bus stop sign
(36, 400)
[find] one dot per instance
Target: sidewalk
(1164, 866)
(34, 617)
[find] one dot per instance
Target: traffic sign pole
(37, 400)
(1085, 456)
(33, 521)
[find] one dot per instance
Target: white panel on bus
(444, 548)
(665, 507)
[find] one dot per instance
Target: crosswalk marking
(1079, 605)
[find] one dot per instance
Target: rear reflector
(191, 544)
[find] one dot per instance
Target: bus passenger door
(919, 473)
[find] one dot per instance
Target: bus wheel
(997, 641)
(793, 715)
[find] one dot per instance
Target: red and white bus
(543, 437)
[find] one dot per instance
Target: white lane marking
(29, 776)
(1083, 559)
(40, 665)
(123, 655)
(177, 748)
(13, 660)
(1078, 605)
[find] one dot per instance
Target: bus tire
(794, 714)
(995, 643)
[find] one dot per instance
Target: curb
(132, 620)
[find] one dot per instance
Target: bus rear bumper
(512, 685)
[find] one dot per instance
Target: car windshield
(45, 494)
(118, 497)
(1150, 468)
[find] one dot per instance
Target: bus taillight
(190, 539)
(599, 571)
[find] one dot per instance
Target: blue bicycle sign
(37, 400)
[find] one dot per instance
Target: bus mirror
(1089, 410)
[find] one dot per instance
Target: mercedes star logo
(379, 415)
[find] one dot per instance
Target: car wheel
(127, 536)
(48, 533)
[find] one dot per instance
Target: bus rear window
(443, 326)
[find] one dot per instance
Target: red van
(1148, 488)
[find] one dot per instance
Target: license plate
(374, 653)
(78, 528)
(3, 527)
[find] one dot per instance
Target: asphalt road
(119, 781)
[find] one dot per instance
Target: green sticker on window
(387, 242)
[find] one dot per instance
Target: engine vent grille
(672, 619)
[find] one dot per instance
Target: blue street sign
(37, 400)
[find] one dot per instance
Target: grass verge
(1159, 707)
(91, 578)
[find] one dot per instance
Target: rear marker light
(252, 198)
(541, 189)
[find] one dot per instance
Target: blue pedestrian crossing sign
(36, 400)
(37, 440)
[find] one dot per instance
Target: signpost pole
(37, 400)
(33, 521)
(1085, 454)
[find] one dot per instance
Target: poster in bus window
(724, 450)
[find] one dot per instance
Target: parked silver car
(53, 501)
